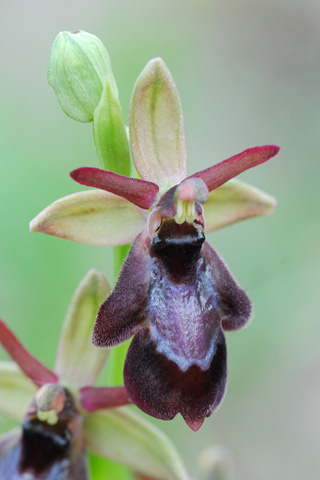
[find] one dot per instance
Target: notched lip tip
(194, 424)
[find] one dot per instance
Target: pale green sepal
(110, 134)
(234, 201)
(16, 391)
(78, 66)
(78, 361)
(129, 439)
(157, 135)
(93, 217)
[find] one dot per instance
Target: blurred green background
(248, 73)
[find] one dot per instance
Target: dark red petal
(159, 388)
(222, 172)
(34, 369)
(233, 301)
(120, 315)
(95, 398)
(139, 192)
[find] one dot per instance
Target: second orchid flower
(63, 413)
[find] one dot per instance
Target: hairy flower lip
(154, 303)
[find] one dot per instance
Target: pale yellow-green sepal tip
(234, 201)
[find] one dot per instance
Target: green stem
(102, 468)
(119, 255)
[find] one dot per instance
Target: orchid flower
(67, 414)
(174, 293)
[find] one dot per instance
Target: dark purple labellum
(176, 295)
(43, 445)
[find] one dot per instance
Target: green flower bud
(78, 67)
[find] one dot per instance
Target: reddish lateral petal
(159, 388)
(139, 192)
(233, 301)
(124, 310)
(222, 172)
(34, 369)
(95, 398)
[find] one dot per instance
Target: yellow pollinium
(186, 212)
(49, 416)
